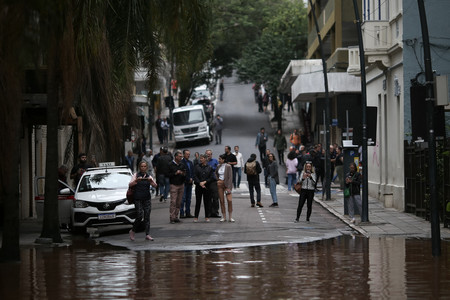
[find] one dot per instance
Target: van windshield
(188, 117)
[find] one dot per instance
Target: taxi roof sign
(107, 164)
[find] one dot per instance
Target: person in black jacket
(177, 177)
(140, 182)
(252, 168)
(162, 173)
(203, 178)
(353, 182)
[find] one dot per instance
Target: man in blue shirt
(213, 163)
(185, 210)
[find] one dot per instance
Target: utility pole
(365, 187)
(327, 111)
(430, 102)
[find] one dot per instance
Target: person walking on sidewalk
(177, 177)
(221, 90)
(353, 182)
(224, 175)
(273, 179)
(141, 182)
(308, 180)
(252, 168)
(279, 143)
(261, 141)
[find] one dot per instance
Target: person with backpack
(252, 168)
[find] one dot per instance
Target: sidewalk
(382, 220)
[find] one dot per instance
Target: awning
(295, 68)
(308, 87)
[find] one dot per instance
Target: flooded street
(350, 267)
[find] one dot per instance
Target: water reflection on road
(353, 267)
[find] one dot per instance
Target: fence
(417, 193)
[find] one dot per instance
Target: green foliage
(283, 39)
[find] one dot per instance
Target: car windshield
(104, 181)
(188, 117)
(201, 94)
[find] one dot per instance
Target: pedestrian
(165, 129)
(265, 164)
(159, 129)
(339, 167)
(185, 210)
(177, 177)
(140, 183)
(353, 182)
(260, 101)
(224, 175)
(279, 143)
(203, 178)
(196, 158)
(80, 168)
(218, 126)
(255, 88)
(273, 179)
(289, 103)
(332, 162)
(261, 141)
(212, 162)
(162, 174)
(308, 179)
(265, 101)
(295, 139)
(129, 160)
(148, 157)
(237, 170)
(252, 168)
(221, 89)
(318, 163)
(291, 169)
(230, 158)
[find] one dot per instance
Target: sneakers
(132, 235)
(296, 221)
(222, 220)
(259, 204)
(253, 205)
(352, 221)
(231, 220)
(207, 220)
(195, 220)
(148, 238)
(273, 205)
(161, 199)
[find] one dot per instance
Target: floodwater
(342, 268)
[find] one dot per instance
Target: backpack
(250, 168)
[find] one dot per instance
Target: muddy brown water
(342, 268)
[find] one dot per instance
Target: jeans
(254, 185)
(186, 201)
(292, 179)
(305, 196)
(354, 199)
(164, 186)
(273, 189)
(143, 209)
(237, 174)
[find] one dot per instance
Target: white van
(190, 124)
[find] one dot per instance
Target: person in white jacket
(237, 170)
(308, 180)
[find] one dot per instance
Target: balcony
(354, 66)
(377, 41)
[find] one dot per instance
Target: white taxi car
(100, 198)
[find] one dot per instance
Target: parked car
(190, 124)
(65, 200)
(100, 198)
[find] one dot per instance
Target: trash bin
(351, 154)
